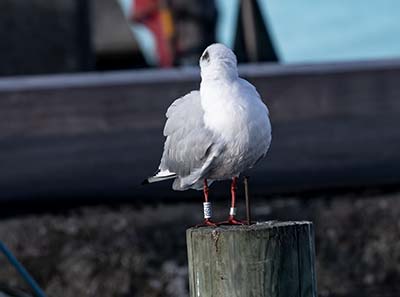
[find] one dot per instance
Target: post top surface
(256, 226)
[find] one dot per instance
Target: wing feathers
(189, 147)
(159, 176)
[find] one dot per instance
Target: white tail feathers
(160, 176)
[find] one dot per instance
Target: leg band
(232, 211)
(207, 210)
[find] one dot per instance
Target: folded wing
(190, 147)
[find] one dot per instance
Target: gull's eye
(206, 57)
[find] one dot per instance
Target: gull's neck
(219, 71)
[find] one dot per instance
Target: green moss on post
(274, 259)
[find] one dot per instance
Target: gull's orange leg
(207, 208)
(232, 211)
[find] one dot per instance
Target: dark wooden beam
(98, 135)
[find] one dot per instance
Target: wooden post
(274, 259)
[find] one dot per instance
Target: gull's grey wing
(190, 147)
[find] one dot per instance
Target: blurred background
(84, 86)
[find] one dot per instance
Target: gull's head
(218, 61)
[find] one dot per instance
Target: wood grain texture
(274, 259)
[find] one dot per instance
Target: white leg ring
(207, 210)
(232, 211)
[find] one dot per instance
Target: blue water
(311, 30)
(321, 30)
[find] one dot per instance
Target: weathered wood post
(274, 259)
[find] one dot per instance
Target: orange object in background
(156, 16)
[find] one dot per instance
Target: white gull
(214, 133)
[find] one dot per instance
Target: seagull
(214, 133)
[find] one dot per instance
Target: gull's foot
(232, 221)
(207, 223)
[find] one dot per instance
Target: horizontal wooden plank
(99, 134)
(183, 74)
